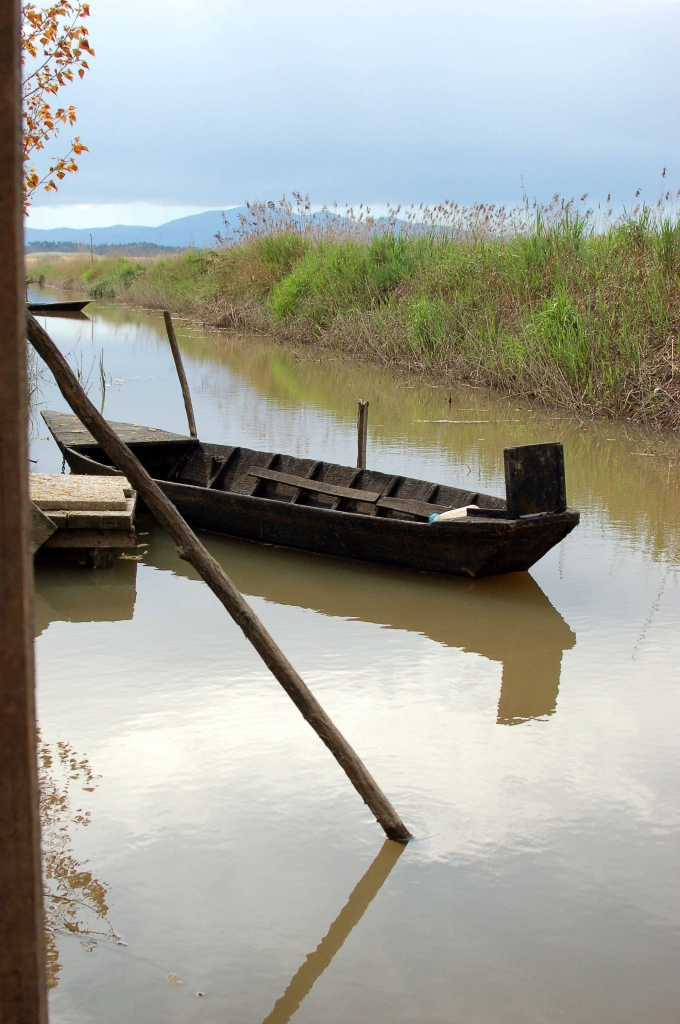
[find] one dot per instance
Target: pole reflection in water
(504, 618)
(316, 963)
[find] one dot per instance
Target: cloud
(220, 102)
(102, 215)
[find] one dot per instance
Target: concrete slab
(59, 492)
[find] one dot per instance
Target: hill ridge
(197, 230)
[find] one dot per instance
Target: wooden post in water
(176, 355)
(362, 434)
(22, 926)
(190, 548)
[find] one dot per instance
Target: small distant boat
(57, 307)
(359, 514)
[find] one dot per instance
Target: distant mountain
(198, 230)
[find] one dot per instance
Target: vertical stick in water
(180, 373)
(362, 434)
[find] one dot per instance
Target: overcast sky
(196, 104)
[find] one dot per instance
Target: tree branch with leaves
(54, 47)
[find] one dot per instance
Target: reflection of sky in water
(543, 882)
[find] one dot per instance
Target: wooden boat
(57, 307)
(350, 513)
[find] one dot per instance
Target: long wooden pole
(190, 548)
(177, 356)
(22, 934)
(362, 434)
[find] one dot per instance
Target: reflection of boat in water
(504, 618)
(59, 308)
(316, 963)
(358, 514)
(70, 593)
(65, 315)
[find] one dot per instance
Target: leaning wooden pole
(191, 550)
(22, 924)
(184, 384)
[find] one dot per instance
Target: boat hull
(471, 548)
(45, 308)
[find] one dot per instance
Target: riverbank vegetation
(554, 303)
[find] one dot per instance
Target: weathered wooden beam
(316, 486)
(184, 384)
(190, 548)
(301, 495)
(424, 509)
(22, 936)
(42, 529)
(417, 508)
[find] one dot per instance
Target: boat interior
(299, 481)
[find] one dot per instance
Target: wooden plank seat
(423, 509)
(309, 475)
(315, 486)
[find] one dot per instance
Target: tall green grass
(548, 302)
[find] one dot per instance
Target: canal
(525, 727)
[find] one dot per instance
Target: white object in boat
(453, 513)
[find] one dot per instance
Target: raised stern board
(71, 433)
(534, 479)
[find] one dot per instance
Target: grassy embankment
(547, 306)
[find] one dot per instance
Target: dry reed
(560, 302)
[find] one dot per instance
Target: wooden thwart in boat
(315, 486)
(422, 509)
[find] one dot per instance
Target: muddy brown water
(525, 727)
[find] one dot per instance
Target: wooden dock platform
(92, 517)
